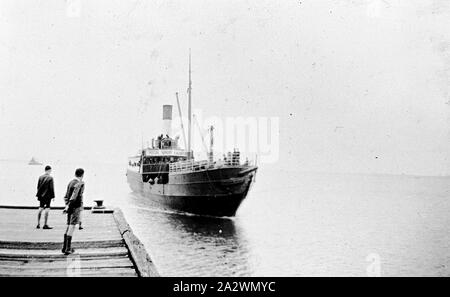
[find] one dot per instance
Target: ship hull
(216, 192)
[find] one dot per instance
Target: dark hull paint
(216, 192)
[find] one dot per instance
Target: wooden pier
(105, 247)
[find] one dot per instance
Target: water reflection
(190, 245)
(203, 226)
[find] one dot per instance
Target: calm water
(292, 224)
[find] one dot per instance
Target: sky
(356, 86)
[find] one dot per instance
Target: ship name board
(177, 153)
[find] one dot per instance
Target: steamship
(169, 175)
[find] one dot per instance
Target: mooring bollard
(99, 204)
(100, 208)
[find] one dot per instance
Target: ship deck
(105, 247)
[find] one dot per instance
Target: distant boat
(34, 162)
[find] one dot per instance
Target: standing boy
(74, 205)
(45, 194)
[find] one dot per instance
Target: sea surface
(291, 224)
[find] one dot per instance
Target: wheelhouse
(154, 162)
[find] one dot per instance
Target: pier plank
(101, 272)
(88, 262)
(57, 253)
(56, 245)
(141, 259)
(55, 265)
(106, 247)
(84, 258)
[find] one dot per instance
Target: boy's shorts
(73, 218)
(45, 203)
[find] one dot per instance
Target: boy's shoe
(69, 252)
(47, 227)
(69, 249)
(63, 250)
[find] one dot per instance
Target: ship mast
(189, 109)
(211, 144)
(181, 119)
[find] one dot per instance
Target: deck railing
(191, 165)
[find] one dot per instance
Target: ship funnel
(167, 120)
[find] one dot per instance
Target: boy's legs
(72, 221)
(79, 225)
(39, 217)
(70, 230)
(46, 211)
(46, 205)
(67, 246)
